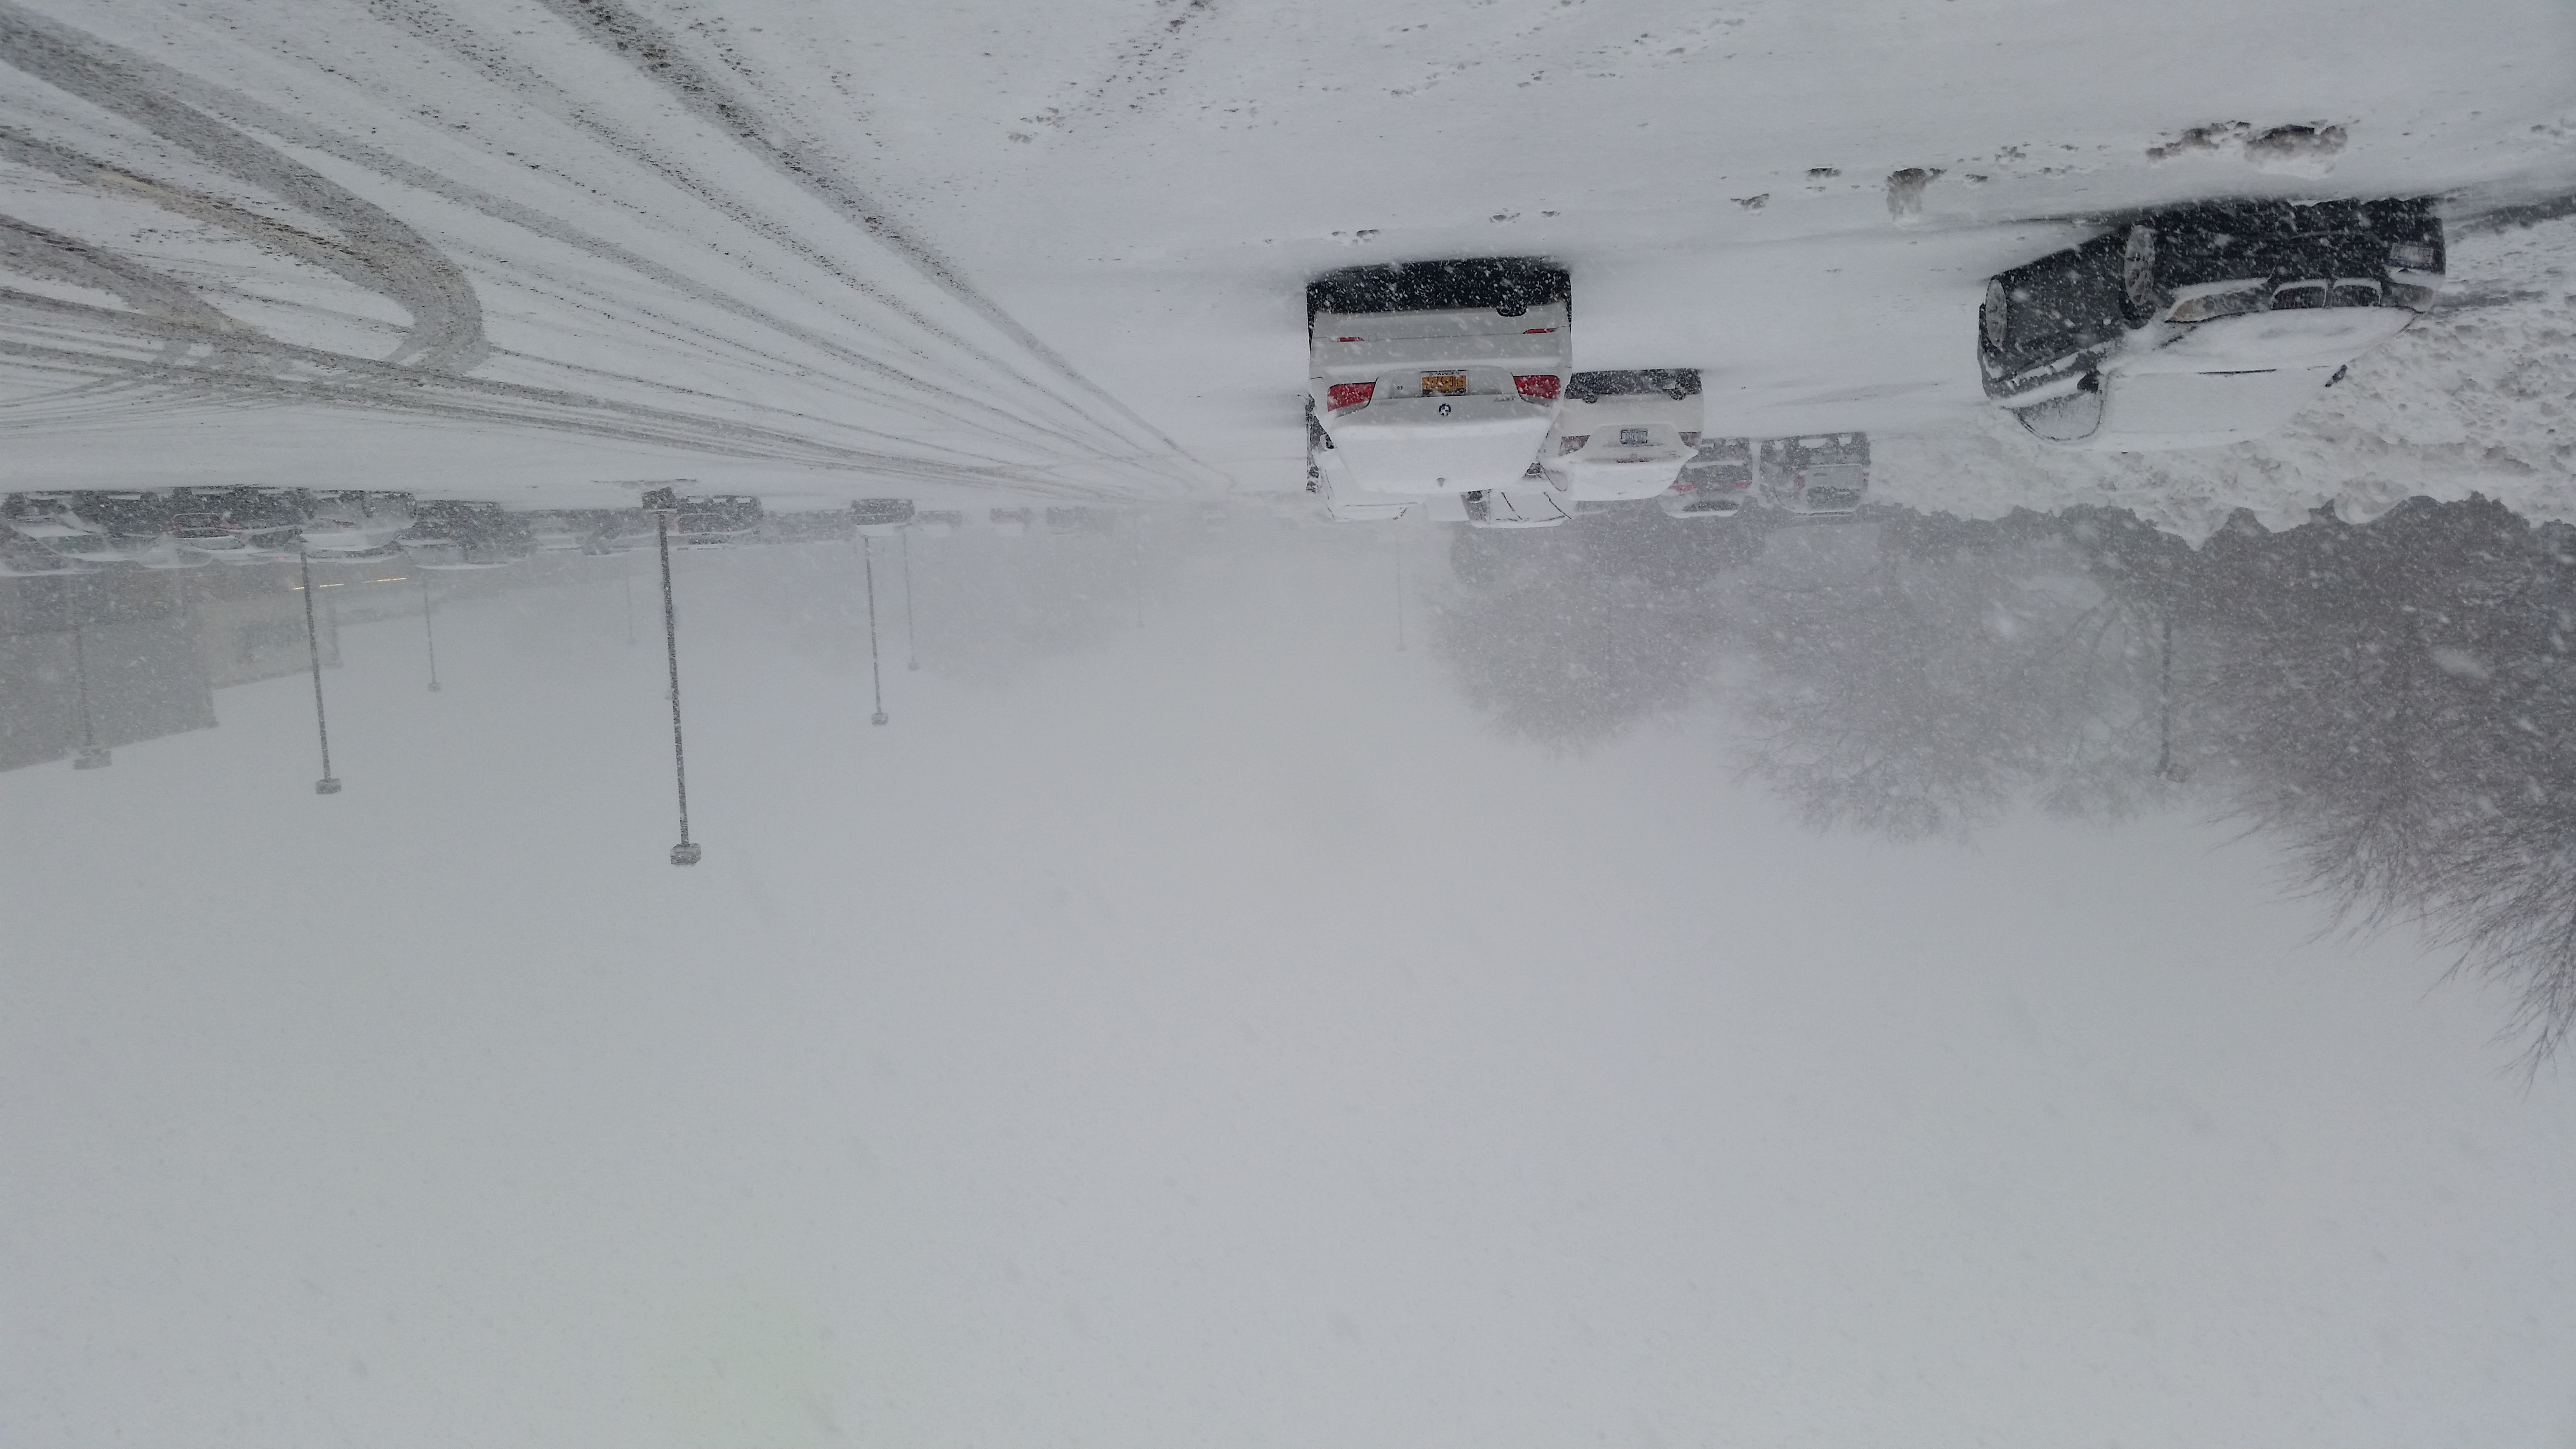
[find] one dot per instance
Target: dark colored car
(2204, 324)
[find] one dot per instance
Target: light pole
(90, 756)
(911, 645)
(664, 503)
(429, 630)
(876, 675)
(329, 784)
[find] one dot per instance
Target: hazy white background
(1207, 1033)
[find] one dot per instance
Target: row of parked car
(1614, 437)
(1448, 386)
(181, 528)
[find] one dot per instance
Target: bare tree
(1941, 690)
(2393, 705)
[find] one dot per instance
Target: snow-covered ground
(1208, 1033)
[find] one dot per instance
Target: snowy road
(976, 248)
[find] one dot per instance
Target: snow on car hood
(2196, 409)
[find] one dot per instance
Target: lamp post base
(327, 785)
(878, 718)
(684, 853)
(92, 757)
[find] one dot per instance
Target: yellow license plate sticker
(1443, 384)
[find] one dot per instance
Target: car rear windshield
(2062, 304)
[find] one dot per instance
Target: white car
(1814, 476)
(881, 517)
(62, 532)
(1080, 518)
(1436, 377)
(1622, 436)
(1343, 499)
(341, 531)
(157, 551)
(1011, 520)
(938, 522)
(2204, 325)
(1713, 484)
(547, 532)
(58, 531)
(25, 558)
(1530, 507)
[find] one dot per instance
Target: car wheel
(2142, 300)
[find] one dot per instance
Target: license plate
(1443, 384)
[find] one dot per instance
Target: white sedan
(1436, 377)
(1623, 435)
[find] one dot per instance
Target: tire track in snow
(931, 374)
(662, 56)
(38, 252)
(375, 249)
(500, 65)
(285, 372)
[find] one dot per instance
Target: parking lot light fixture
(664, 504)
(876, 674)
(329, 784)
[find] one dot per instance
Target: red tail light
(1345, 395)
(1536, 331)
(1539, 389)
(1571, 442)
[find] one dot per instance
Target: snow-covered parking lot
(1965, 974)
(977, 248)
